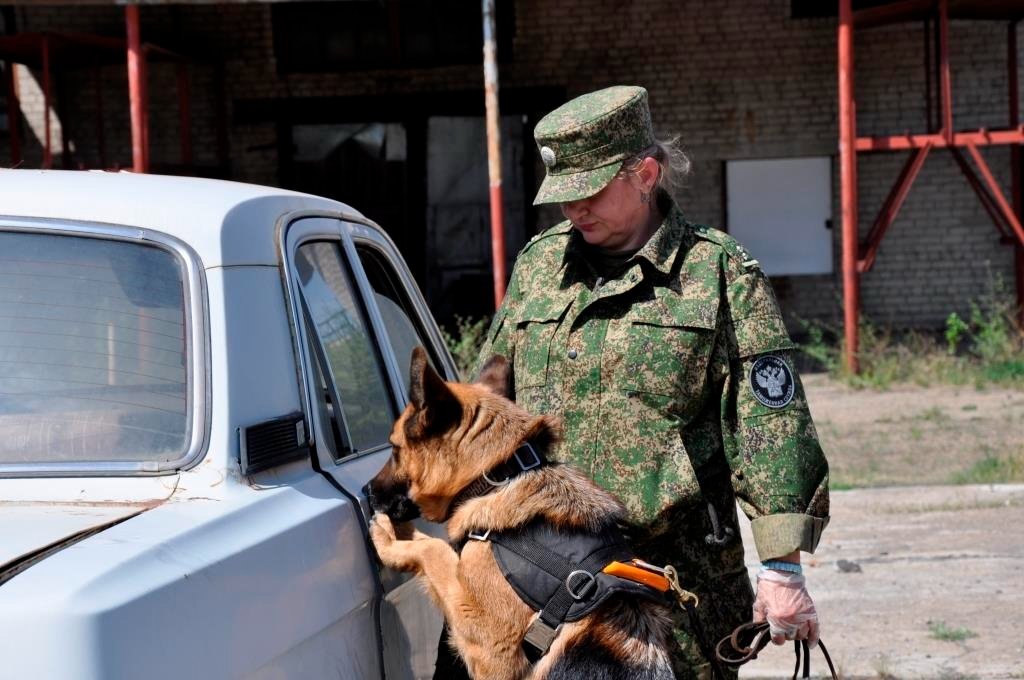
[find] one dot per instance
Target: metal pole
(47, 142)
(136, 92)
(101, 140)
(848, 183)
(184, 116)
(1015, 163)
(946, 84)
(494, 152)
(13, 113)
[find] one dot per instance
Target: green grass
(986, 348)
(941, 631)
(993, 469)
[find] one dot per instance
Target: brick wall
(736, 79)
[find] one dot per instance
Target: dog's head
(449, 435)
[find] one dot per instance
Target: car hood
(33, 531)
(39, 517)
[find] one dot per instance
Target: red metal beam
(961, 139)
(997, 194)
(47, 142)
(891, 207)
(891, 12)
(184, 115)
(946, 82)
(136, 90)
(1015, 160)
(984, 196)
(101, 139)
(494, 152)
(928, 76)
(13, 113)
(848, 184)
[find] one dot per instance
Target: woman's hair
(673, 163)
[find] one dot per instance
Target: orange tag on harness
(638, 574)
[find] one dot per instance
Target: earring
(645, 197)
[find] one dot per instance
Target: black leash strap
(747, 641)
(702, 640)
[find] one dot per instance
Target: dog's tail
(625, 641)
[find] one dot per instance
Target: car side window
(396, 310)
(353, 373)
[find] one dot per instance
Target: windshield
(93, 356)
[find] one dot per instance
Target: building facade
(380, 104)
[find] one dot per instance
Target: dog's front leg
(406, 549)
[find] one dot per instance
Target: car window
(346, 347)
(404, 333)
(93, 351)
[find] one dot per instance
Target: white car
(197, 378)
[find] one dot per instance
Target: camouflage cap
(584, 141)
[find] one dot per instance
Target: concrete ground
(929, 557)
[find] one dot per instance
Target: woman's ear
(645, 177)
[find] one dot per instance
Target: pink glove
(783, 601)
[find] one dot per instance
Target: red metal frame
(13, 113)
(858, 258)
(1015, 160)
(848, 183)
(47, 143)
(47, 50)
(136, 92)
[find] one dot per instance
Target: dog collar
(523, 459)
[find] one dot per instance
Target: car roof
(226, 223)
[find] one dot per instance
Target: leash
(747, 641)
(689, 602)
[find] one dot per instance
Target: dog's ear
(496, 375)
(435, 407)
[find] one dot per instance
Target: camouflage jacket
(656, 376)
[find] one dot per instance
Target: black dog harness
(562, 574)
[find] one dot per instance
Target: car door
(357, 315)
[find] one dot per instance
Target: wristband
(780, 565)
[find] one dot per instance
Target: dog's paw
(392, 548)
(382, 531)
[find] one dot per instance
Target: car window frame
(348, 229)
(197, 349)
(420, 315)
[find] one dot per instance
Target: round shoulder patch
(772, 382)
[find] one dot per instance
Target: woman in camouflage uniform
(660, 345)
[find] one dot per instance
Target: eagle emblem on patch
(772, 382)
(547, 154)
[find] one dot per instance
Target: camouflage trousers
(715, 573)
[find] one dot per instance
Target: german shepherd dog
(451, 434)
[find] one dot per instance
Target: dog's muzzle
(393, 501)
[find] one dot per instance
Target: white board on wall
(779, 209)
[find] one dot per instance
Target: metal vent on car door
(272, 442)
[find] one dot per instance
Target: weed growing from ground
(993, 469)
(465, 342)
(986, 348)
(941, 631)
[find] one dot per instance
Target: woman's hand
(783, 601)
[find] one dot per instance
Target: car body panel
(214, 573)
(232, 580)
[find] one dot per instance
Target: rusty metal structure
(52, 51)
(1006, 214)
(494, 152)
